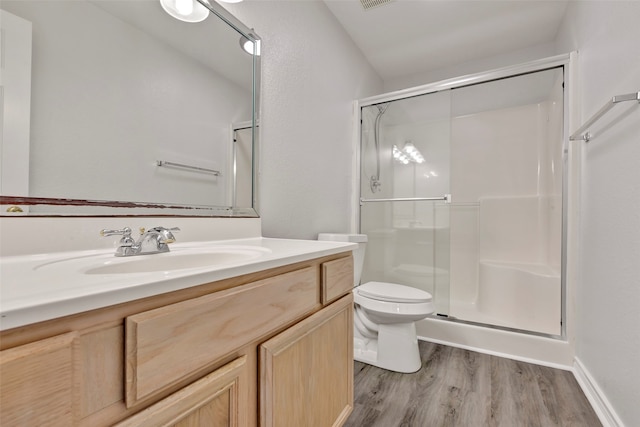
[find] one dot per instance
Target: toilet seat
(393, 311)
(392, 292)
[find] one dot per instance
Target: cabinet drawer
(337, 279)
(37, 383)
(165, 345)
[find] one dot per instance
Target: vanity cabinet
(271, 348)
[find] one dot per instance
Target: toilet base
(395, 349)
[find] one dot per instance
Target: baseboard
(596, 397)
(551, 352)
(498, 353)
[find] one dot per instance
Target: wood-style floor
(457, 387)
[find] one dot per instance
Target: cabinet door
(306, 372)
(216, 400)
(36, 386)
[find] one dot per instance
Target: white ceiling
(405, 37)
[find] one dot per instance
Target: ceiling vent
(370, 4)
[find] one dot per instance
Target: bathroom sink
(165, 262)
(179, 259)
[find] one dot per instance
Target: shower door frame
(570, 165)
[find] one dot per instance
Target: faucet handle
(162, 229)
(124, 232)
(166, 233)
(126, 239)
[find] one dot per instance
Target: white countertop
(34, 288)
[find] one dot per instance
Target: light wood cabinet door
(217, 400)
(306, 372)
(36, 383)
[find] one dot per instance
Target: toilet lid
(393, 292)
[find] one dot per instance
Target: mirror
(114, 107)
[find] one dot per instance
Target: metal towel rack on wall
(163, 163)
(583, 132)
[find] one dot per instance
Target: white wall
(606, 34)
(312, 72)
(469, 67)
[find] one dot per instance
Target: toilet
(384, 316)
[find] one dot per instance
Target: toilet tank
(358, 254)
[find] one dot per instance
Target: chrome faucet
(153, 241)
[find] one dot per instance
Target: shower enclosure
(461, 195)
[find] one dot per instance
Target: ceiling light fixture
(185, 10)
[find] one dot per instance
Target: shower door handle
(446, 198)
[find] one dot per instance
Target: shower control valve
(375, 184)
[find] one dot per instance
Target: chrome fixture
(446, 198)
(583, 132)
(374, 181)
(163, 163)
(153, 241)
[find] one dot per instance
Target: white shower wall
(506, 182)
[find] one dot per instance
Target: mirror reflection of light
(185, 7)
(400, 156)
(409, 153)
(185, 10)
(247, 46)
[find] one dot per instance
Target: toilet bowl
(385, 316)
(384, 325)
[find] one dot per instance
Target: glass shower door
(405, 193)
